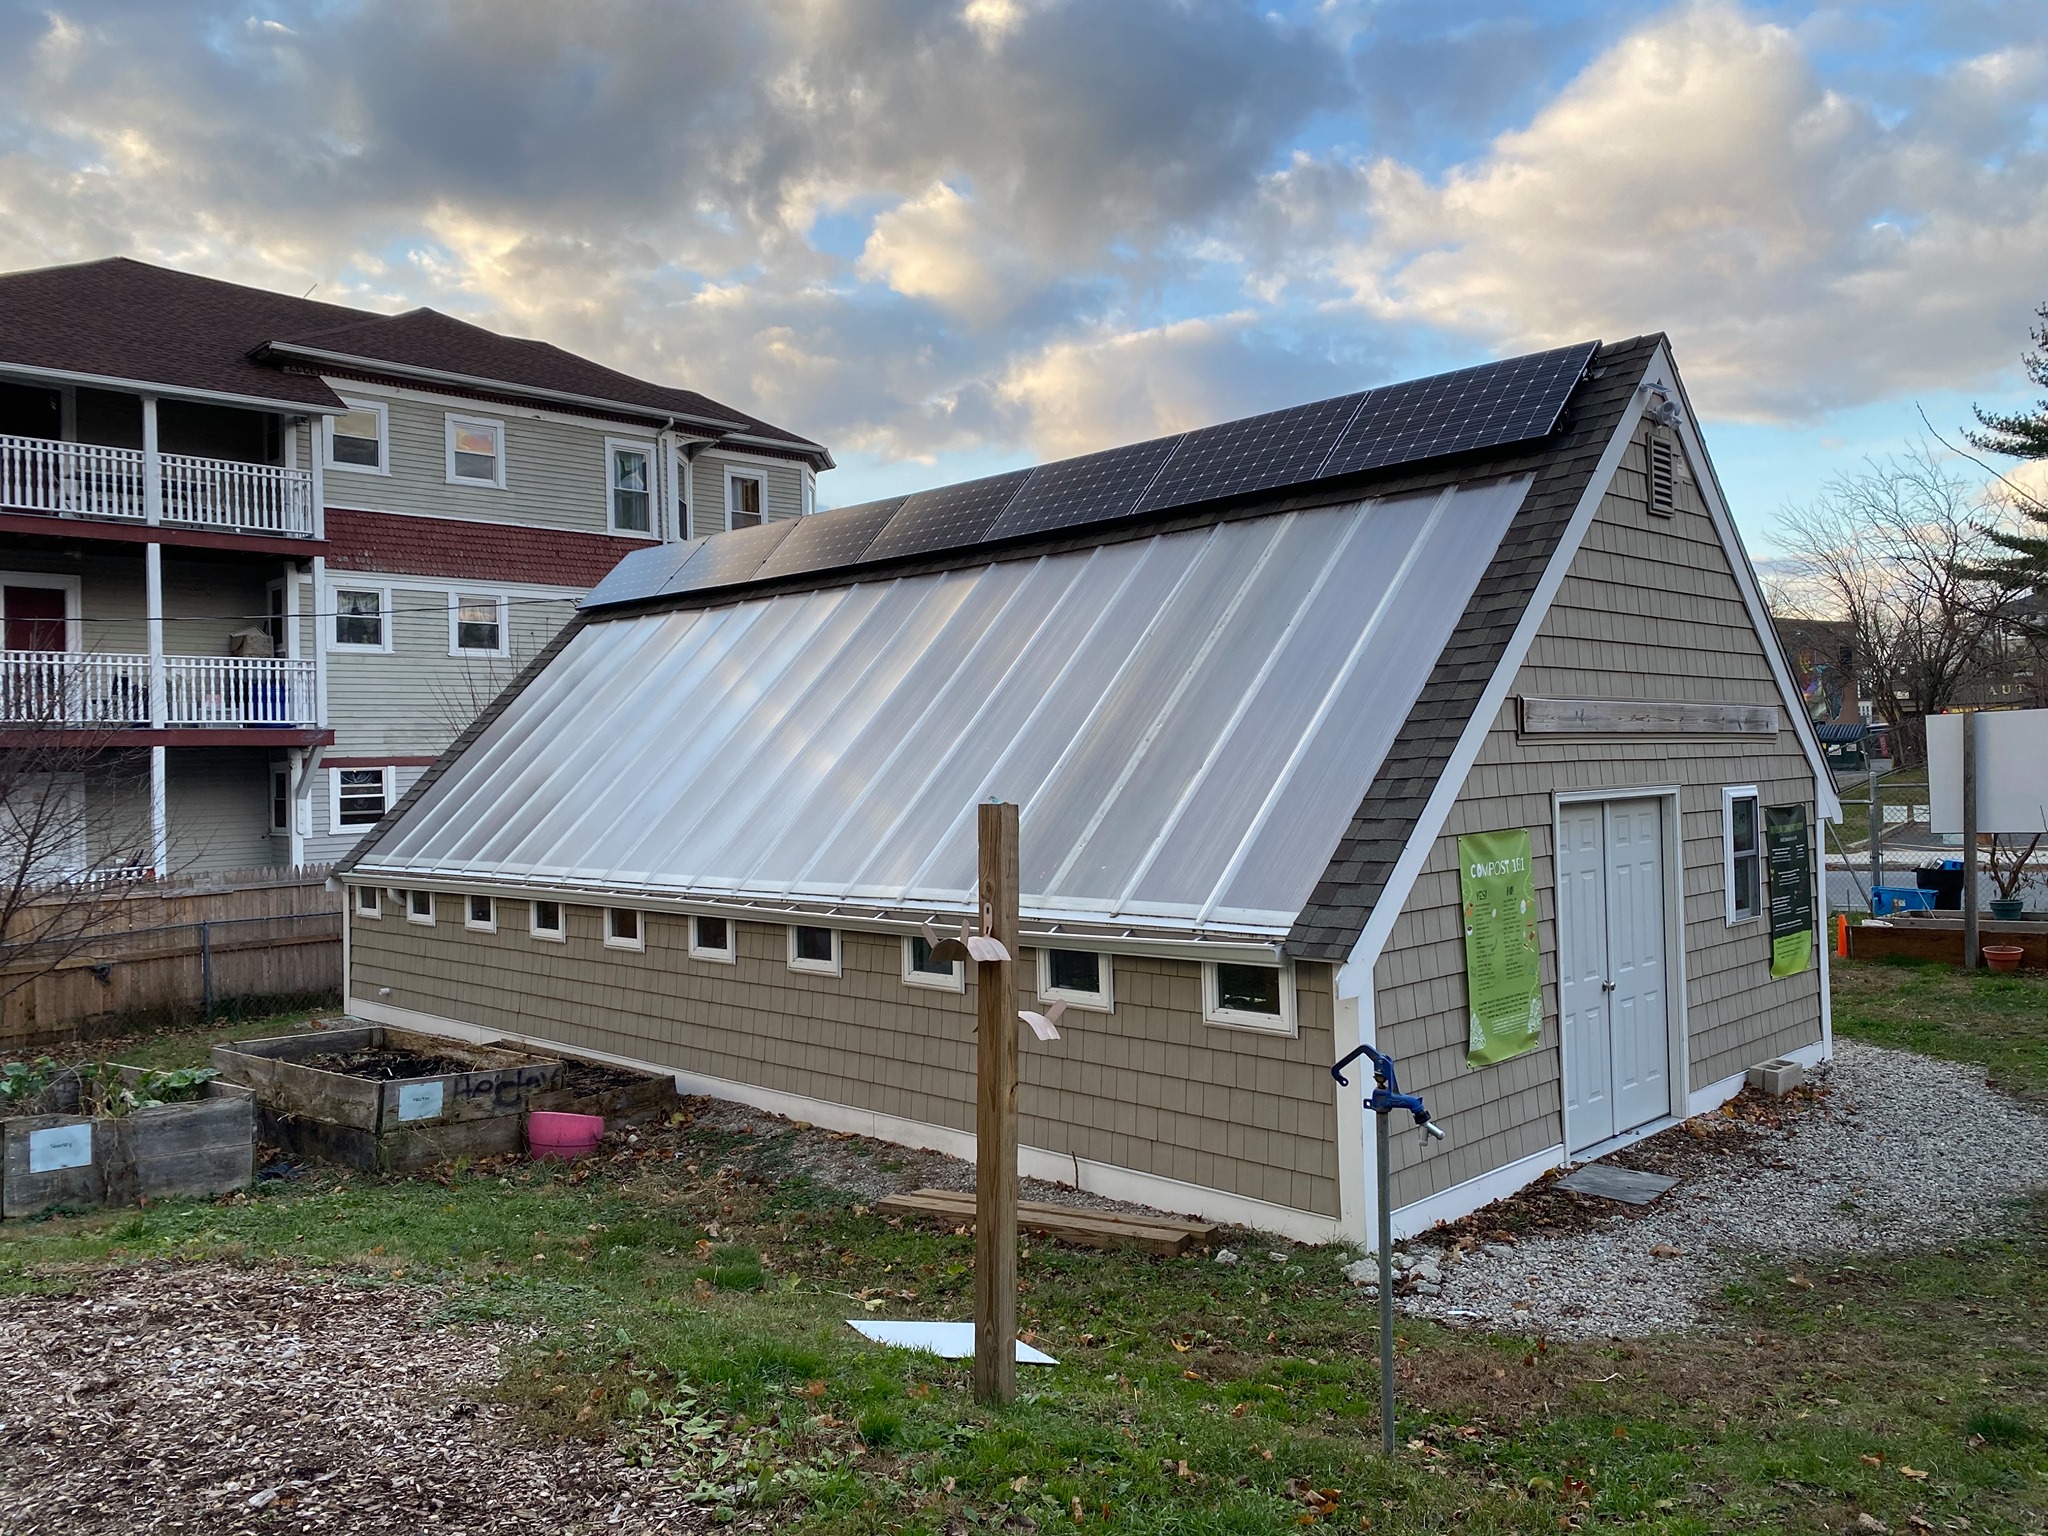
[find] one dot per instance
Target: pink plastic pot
(550, 1133)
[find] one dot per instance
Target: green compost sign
(1503, 974)
(1788, 875)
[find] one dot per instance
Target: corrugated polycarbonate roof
(1187, 721)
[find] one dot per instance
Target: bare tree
(1897, 552)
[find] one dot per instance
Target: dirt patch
(389, 1065)
(590, 1077)
(203, 1399)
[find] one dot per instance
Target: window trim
(552, 935)
(1729, 795)
(739, 472)
(1103, 1001)
(339, 828)
(1288, 1022)
(932, 980)
(817, 967)
(375, 909)
(281, 771)
(469, 918)
(498, 600)
(412, 916)
(638, 942)
(649, 448)
(726, 956)
(332, 629)
(450, 422)
(383, 413)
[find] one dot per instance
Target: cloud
(1699, 177)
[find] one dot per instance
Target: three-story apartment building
(262, 557)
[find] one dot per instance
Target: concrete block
(1777, 1078)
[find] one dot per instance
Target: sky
(950, 236)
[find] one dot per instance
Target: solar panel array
(1495, 404)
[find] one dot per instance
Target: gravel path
(1902, 1151)
(200, 1399)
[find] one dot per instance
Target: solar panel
(1090, 489)
(732, 557)
(1495, 403)
(643, 573)
(947, 518)
(825, 541)
(1256, 454)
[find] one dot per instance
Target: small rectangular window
(361, 797)
(1249, 995)
(1742, 853)
(419, 907)
(280, 799)
(359, 619)
(547, 920)
(711, 938)
(480, 913)
(631, 471)
(622, 929)
(745, 497)
(476, 451)
(476, 626)
(367, 902)
(921, 970)
(356, 438)
(813, 949)
(1078, 977)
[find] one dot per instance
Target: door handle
(1606, 986)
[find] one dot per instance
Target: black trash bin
(1947, 885)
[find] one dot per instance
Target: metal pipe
(1386, 1293)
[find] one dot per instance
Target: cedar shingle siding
(1649, 610)
(1149, 1087)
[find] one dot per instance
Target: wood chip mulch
(206, 1399)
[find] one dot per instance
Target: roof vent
(1663, 476)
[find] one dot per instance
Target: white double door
(1612, 995)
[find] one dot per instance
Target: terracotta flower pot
(2003, 957)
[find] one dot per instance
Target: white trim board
(1095, 1178)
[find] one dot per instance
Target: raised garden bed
(1939, 936)
(622, 1095)
(63, 1157)
(390, 1099)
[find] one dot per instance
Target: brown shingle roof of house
(127, 320)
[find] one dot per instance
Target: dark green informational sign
(1503, 974)
(1788, 873)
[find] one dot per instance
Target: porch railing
(109, 690)
(86, 480)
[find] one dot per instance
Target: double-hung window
(280, 799)
(476, 625)
(476, 451)
(361, 619)
(746, 498)
(630, 473)
(1742, 853)
(358, 440)
(360, 797)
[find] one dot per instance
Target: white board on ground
(60, 1146)
(949, 1341)
(2012, 786)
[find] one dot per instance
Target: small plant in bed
(108, 1090)
(23, 1082)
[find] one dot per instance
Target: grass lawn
(691, 1294)
(1998, 1022)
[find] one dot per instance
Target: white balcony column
(291, 610)
(292, 819)
(159, 812)
(152, 465)
(153, 613)
(669, 502)
(316, 427)
(323, 622)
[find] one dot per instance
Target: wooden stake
(995, 1116)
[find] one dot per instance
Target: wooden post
(995, 1116)
(1971, 959)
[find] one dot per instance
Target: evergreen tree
(2022, 570)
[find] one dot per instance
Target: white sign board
(420, 1101)
(2012, 771)
(60, 1146)
(949, 1341)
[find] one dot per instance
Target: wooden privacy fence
(175, 951)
